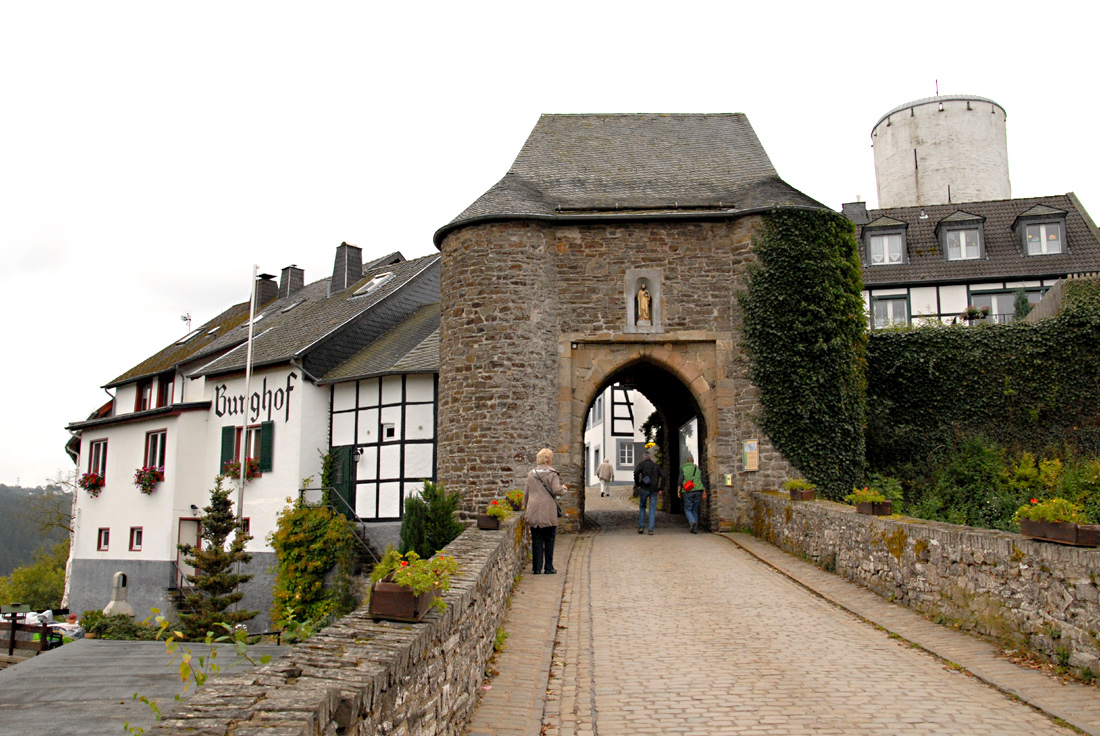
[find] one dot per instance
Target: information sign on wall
(751, 455)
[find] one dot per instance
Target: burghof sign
(751, 455)
(264, 400)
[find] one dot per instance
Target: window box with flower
(92, 483)
(495, 512)
(800, 490)
(404, 587)
(869, 501)
(231, 469)
(1057, 520)
(147, 477)
(515, 498)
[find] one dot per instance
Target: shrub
(117, 626)
(1054, 509)
(430, 521)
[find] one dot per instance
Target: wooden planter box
(515, 506)
(802, 495)
(484, 521)
(397, 602)
(878, 508)
(1062, 532)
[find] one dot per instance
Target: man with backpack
(690, 488)
(647, 479)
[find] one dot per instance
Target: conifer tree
(429, 523)
(215, 585)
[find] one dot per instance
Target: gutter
(172, 410)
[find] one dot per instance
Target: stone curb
(1030, 687)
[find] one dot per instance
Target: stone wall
(534, 319)
(362, 677)
(1020, 592)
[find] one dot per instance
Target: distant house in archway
(611, 251)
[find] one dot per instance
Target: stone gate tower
(542, 306)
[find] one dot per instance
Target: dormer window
(961, 236)
(886, 248)
(1043, 239)
(884, 240)
(964, 245)
(1042, 230)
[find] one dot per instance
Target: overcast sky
(150, 153)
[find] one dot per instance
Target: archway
(679, 422)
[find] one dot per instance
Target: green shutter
(267, 445)
(229, 439)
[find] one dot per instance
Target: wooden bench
(17, 635)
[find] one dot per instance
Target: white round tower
(951, 148)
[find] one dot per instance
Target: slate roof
(279, 335)
(1004, 252)
(285, 327)
(635, 165)
(411, 347)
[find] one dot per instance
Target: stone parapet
(362, 677)
(1020, 592)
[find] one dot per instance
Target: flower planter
(394, 602)
(802, 495)
(875, 508)
(1062, 532)
(515, 506)
(484, 521)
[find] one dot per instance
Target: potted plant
(147, 477)
(496, 512)
(92, 483)
(869, 501)
(404, 587)
(1056, 520)
(800, 490)
(515, 498)
(232, 469)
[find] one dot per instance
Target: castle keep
(612, 251)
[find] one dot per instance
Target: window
(1043, 239)
(144, 395)
(626, 452)
(135, 538)
(887, 249)
(595, 414)
(373, 284)
(154, 448)
(97, 458)
(103, 539)
(259, 444)
(164, 389)
(890, 311)
(389, 431)
(963, 245)
(1002, 305)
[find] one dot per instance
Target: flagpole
(247, 387)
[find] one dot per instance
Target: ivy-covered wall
(805, 333)
(1028, 386)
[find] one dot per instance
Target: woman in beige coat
(540, 501)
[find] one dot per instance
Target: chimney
(348, 267)
(266, 289)
(856, 212)
(292, 279)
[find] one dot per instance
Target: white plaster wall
(922, 300)
(964, 149)
(953, 299)
(600, 436)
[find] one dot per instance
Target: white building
(347, 358)
(614, 430)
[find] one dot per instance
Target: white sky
(150, 153)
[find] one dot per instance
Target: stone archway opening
(679, 424)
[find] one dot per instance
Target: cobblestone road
(688, 634)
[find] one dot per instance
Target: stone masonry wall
(1018, 591)
(534, 318)
(362, 677)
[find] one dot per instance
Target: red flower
(1035, 500)
(404, 563)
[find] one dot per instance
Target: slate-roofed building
(186, 410)
(933, 262)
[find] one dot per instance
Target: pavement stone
(689, 634)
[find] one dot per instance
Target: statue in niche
(644, 299)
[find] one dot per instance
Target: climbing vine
(1027, 386)
(309, 541)
(805, 333)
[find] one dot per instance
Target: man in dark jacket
(647, 479)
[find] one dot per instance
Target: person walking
(691, 489)
(647, 479)
(540, 501)
(605, 473)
